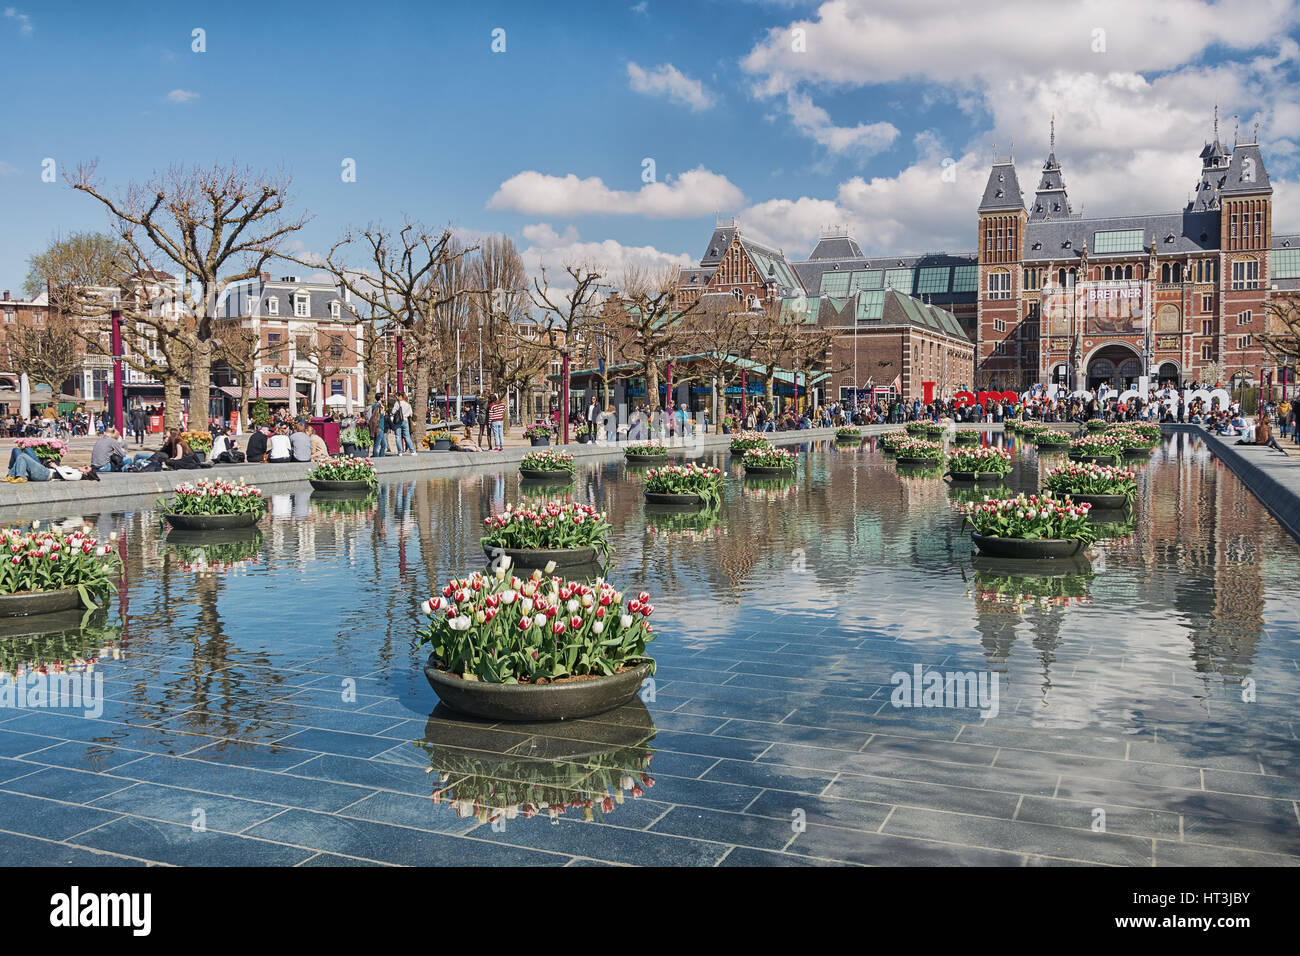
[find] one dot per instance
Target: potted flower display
(846, 435)
(1030, 527)
(688, 484)
(769, 461)
(645, 453)
(213, 506)
(355, 439)
(199, 442)
(46, 571)
(1050, 438)
(747, 440)
(889, 441)
(566, 534)
(1095, 425)
(1134, 444)
(440, 440)
(538, 435)
(594, 777)
(1097, 485)
(918, 428)
(344, 473)
(966, 436)
(547, 466)
(934, 429)
(915, 451)
(1099, 449)
(503, 647)
(49, 450)
(976, 464)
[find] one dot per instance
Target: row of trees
(177, 243)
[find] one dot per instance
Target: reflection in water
(606, 764)
(212, 551)
(64, 643)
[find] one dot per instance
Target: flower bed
(1049, 437)
(553, 462)
(966, 437)
(1095, 425)
(917, 428)
(748, 440)
(1097, 446)
(761, 460)
(219, 497)
(1132, 440)
(1031, 518)
(1092, 480)
(705, 482)
(914, 450)
(197, 441)
(502, 629)
(440, 440)
(848, 434)
(646, 449)
(342, 468)
(980, 461)
(46, 449)
(47, 561)
(552, 527)
(889, 441)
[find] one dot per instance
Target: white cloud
(23, 20)
(693, 193)
(182, 96)
(669, 82)
(554, 249)
(8, 169)
(863, 140)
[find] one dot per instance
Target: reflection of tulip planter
(45, 572)
(58, 644)
(548, 776)
(354, 487)
(212, 551)
(1029, 527)
(848, 436)
(535, 648)
(974, 476)
(213, 506)
(664, 498)
(567, 534)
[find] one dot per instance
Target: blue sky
(546, 141)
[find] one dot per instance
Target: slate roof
(320, 296)
(888, 309)
(1002, 191)
(836, 247)
(718, 245)
(1246, 173)
(1050, 200)
(811, 271)
(1191, 232)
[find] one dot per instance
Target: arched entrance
(1116, 365)
(1169, 374)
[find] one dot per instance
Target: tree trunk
(200, 383)
(651, 374)
(420, 404)
(243, 403)
(172, 401)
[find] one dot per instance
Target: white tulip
(539, 620)
(626, 620)
(598, 627)
(572, 606)
(527, 605)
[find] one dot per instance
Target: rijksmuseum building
(1048, 296)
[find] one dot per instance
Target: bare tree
(566, 316)
(399, 283)
(655, 322)
(511, 359)
(240, 347)
(207, 228)
(1282, 337)
(722, 339)
(48, 348)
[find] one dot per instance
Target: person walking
(400, 418)
(377, 426)
(496, 417)
(481, 413)
(593, 417)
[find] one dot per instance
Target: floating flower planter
(1098, 449)
(645, 453)
(213, 506)
(1097, 485)
(537, 648)
(344, 474)
(889, 441)
(974, 464)
(769, 462)
(44, 572)
(1048, 438)
(567, 534)
(966, 437)
(688, 484)
(547, 466)
(848, 435)
(539, 436)
(746, 441)
(915, 451)
(1029, 528)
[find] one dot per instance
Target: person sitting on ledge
(256, 449)
(279, 449)
(300, 443)
(319, 450)
(466, 443)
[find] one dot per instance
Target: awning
(269, 394)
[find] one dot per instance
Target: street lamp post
(458, 374)
(119, 420)
(399, 358)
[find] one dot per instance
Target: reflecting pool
(261, 702)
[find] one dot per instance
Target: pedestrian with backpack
(400, 418)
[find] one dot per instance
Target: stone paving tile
(746, 856)
(15, 744)
(736, 829)
(333, 859)
(386, 843)
(934, 796)
(1164, 775)
(19, 850)
(336, 742)
(71, 786)
(961, 752)
(77, 755)
(885, 849)
(65, 727)
(226, 780)
(417, 812)
(1131, 821)
(829, 811)
(48, 818)
(1063, 742)
(968, 829)
(795, 780)
(1188, 854)
(793, 734)
(260, 756)
(182, 844)
(177, 805)
(609, 843)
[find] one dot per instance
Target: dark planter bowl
(645, 459)
(524, 702)
(441, 444)
(1138, 452)
(531, 559)
(759, 471)
(976, 476)
(847, 441)
(666, 498)
(966, 438)
(27, 603)
(351, 450)
(213, 522)
(927, 462)
(352, 486)
(546, 474)
(1109, 502)
(1095, 459)
(539, 442)
(1027, 549)
(1053, 443)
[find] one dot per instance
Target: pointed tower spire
(1051, 201)
(1216, 122)
(1051, 149)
